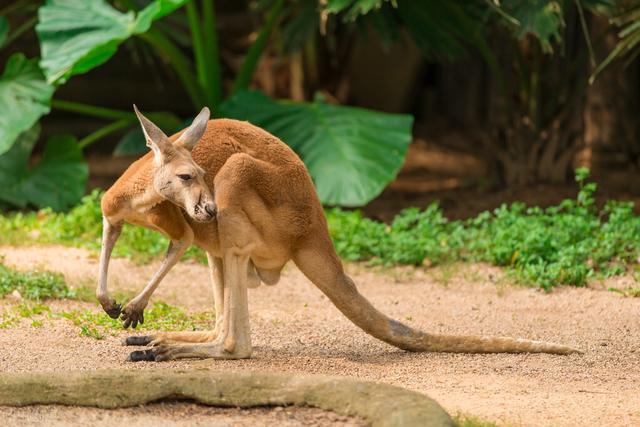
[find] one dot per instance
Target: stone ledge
(380, 404)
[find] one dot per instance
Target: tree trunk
(612, 128)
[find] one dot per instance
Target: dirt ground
(295, 328)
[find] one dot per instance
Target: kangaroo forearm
(174, 253)
(110, 234)
(133, 312)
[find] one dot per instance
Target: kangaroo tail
(321, 265)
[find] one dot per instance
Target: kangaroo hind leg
(170, 338)
(234, 339)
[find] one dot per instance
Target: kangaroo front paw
(132, 315)
(112, 308)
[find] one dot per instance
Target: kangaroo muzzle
(204, 212)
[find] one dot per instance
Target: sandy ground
(295, 328)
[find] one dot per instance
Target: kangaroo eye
(185, 177)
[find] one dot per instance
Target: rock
(381, 404)
(15, 295)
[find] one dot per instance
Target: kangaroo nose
(211, 209)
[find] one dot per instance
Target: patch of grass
(472, 421)
(629, 292)
(160, 316)
(11, 315)
(33, 285)
(564, 244)
(39, 285)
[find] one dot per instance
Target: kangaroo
(248, 201)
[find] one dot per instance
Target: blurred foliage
(544, 19)
(627, 18)
(76, 36)
(564, 244)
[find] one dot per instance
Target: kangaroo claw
(113, 311)
(138, 340)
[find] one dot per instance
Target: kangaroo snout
(204, 212)
(211, 209)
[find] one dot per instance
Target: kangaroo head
(176, 176)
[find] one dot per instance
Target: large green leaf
(24, 98)
(57, 181)
(351, 153)
(78, 35)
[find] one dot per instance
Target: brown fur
(268, 213)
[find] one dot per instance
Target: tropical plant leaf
(24, 98)
(445, 29)
(351, 153)
(386, 24)
(78, 35)
(155, 10)
(441, 28)
(354, 8)
(56, 181)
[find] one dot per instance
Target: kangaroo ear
(192, 135)
(156, 139)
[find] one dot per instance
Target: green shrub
(563, 244)
(36, 285)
